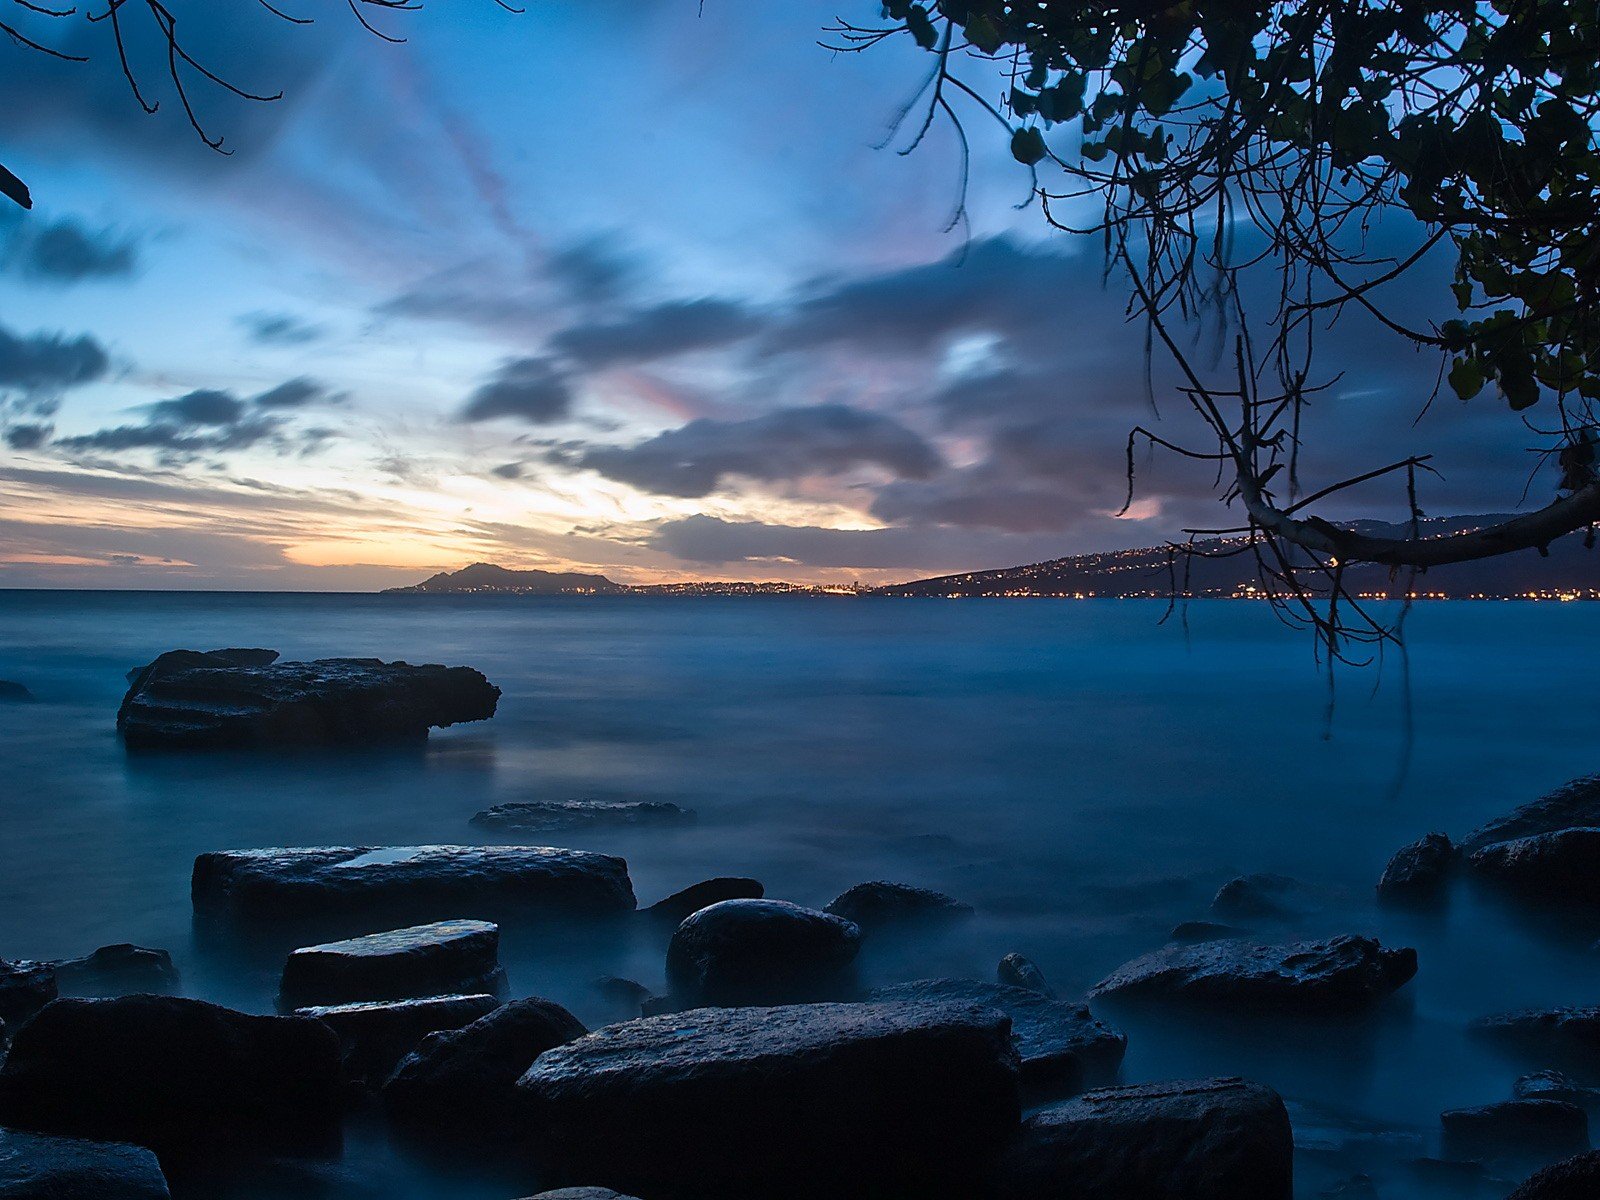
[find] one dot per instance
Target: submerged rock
(742, 952)
(1572, 805)
(1341, 974)
(118, 970)
(14, 693)
(462, 1084)
(1564, 865)
(1259, 896)
(376, 1035)
(189, 699)
(879, 904)
(625, 996)
(837, 1100)
(182, 1077)
(1527, 1130)
(422, 960)
(1553, 1085)
(1191, 932)
(1017, 971)
(25, 988)
(1577, 1178)
(36, 1166)
(1062, 1049)
(546, 816)
(1209, 1139)
(1560, 1035)
(425, 882)
(681, 905)
(1417, 873)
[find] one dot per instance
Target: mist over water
(1079, 773)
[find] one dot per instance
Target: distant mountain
(486, 577)
(1569, 571)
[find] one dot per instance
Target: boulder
(462, 1084)
(1061, 1048)
(1526, 1130)
(118, 970)
(1417, 873)
(182, 1077)
(741, 952)
(1190, 932)
(1017, 971)
(423, 960)
(581, 1193)
(1577, 1178)
(25, 988)
(189, 699)
(679, 906)
(35, 1166)
(1562, 866)
(548, 816)
(420, 882)
(878, 904)
(14, 693)
(837, 1100)
(1559, 1035)
(1553, 1085)
(1261, 896)
(1572, 805)
(376, 1035)
(626, 997)
(1342, 974)
(1209, 1139)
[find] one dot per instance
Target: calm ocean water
(1076, 771)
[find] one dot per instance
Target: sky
(628, 286)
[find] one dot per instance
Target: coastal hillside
(486, 577)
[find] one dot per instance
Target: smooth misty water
(1072, 769)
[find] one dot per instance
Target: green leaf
(981, 32)
(1027, 146)
(921, 27)
(1466, 378)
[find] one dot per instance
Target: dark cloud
(534, 390)
(280, 329)
(658, 332)
(203, 406)
(66, 251)
(28, 437)
(594, 270)
(179, 440)
(510, 470)
(791, 443)
(50, 362)
(292, 393)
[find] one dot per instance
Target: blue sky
(618, 285)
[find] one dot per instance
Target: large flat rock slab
(1572, 805)
(1560, 866)
(376, 1035)
(192, 699)
(36, 1166)
(461, 957)
(426, 882)
(837, 1100)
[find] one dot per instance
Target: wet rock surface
(182, 1077)
(376, 1035)
(424, 882)
(1261, 896)
(1341, 974)
(1553, 1085)
(553, 816)
(1417, 873)
(744, 952)
(37, 1166)
(838, 1100)
(1211, 1139)
(25, 988)
(1562, 865)
(880, 904)
(1192, 932)
(462, 1084)
(1572, 805)
(581, 1193)
(683, 904)
(118, 970)
(1016, 971)
(189, 699)
(1577, 1178)
(1564, 1036)
(1062, 1049)
(12, 692)
(1524, 1130)
(458, 957)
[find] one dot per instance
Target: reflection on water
(1069, 768)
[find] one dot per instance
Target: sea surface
(1081, 773)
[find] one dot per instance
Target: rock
(547, 816)
(420, 882)
(1553, 1085)
(376, 1035)
(36, 1166)
(1260, 896)
(581, 1193)
(1572, 805)
(1191, 932)
(1210, 1139)
(1532, 1130)
(118, 970)
(423, 960)
(625, 996)
(1357, 1187)
(462, 1084)
(1417, 873)
(741, 952)
(1062, 1049)
(1561, 1035)
(878, 904)
(1577, 1178)
(836, 1100)
(182, 1077)
(679, 906)
(189, 699)
(1564, 865)
(25, 988)
(14, 693)
(1017, 971)
(1341, 974)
